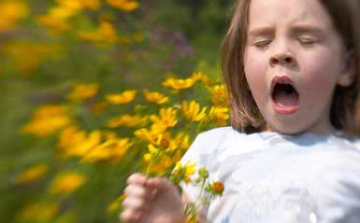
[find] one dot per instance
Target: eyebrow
(266, 31)
(261, 31)
(307, 29)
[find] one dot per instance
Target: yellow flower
(127, 121)
(82, 92)
(62, 13)
(166, 119)
(192, 111)
(58, 17)
(11, 13)
(220, 114)
(71, 5)
(159, 128)
(158, 161)
(146, 135)
(199, 76)
(106, 33)
(183, 172)
(124, 5)
(78, 5)
(100, 152)
(155, 97)
(47, 120)
(178, 84)
(51, 110)
(57, 26)
(81, 148)
(38, 212)
(153, 136)
(27, 56)
(69, 138)
(163, 139)
(96, 146)
(181, 141)
(122, 98)
(164, 165)
(66, 183)
(184, 141)
(32, 174)
(114, 149)
(219, 95)
(122, 146)
(153, 153)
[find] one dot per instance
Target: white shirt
(275, 178)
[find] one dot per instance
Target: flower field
(94, 90)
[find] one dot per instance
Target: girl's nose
(282, 59)
(282, 53)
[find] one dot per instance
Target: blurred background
(93, 90)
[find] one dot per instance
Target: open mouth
(284, 95)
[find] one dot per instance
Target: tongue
(285, 99)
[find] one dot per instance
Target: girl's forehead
(273, 12)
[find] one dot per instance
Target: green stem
(187, 127)
(148, 168)
(147, 172)
(201, 191)
(199, 126)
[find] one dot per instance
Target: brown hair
(245, 115)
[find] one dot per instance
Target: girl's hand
(151, 200)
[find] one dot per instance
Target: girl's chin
(286, 129)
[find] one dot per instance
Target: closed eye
(306, 41)
(261, 43)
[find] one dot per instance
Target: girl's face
(294, 58)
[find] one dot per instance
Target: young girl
(291, 156)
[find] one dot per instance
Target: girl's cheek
(255, 72)
(255, 67)
(256, 58)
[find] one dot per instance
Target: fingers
(129, 215)
(138, 198)
(137, 178)
(140, 203)
(136, 191)
(159, 184)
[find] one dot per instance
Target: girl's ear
(347, 75)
